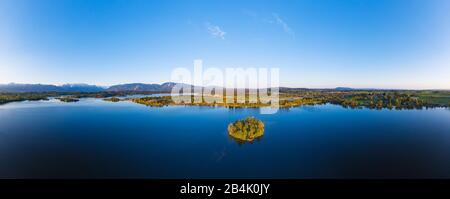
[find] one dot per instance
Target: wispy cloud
(273, 19)
(283, 24)
(215, 31)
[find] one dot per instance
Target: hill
(16, 88)
(140, 87)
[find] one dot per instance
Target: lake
(97, 139)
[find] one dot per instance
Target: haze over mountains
(137, 87)
(165, 87)
(12, 87)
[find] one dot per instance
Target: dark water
(96, 139)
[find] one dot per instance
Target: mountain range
(139, 87)
(165, 87)
(134, 87)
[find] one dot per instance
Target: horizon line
(301, 87)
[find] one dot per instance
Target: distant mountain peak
(165, 87)
(343, 88)
(15, 87)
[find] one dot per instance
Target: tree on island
(247, 129)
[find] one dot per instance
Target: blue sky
(315, 43)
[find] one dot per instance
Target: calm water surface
(97, 139)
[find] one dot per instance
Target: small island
(112, 99)
(247, 129)
(68, 99)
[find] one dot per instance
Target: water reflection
(96, 139)
(242, 142)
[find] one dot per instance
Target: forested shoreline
(374, 99)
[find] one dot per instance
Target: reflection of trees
(242, 142)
